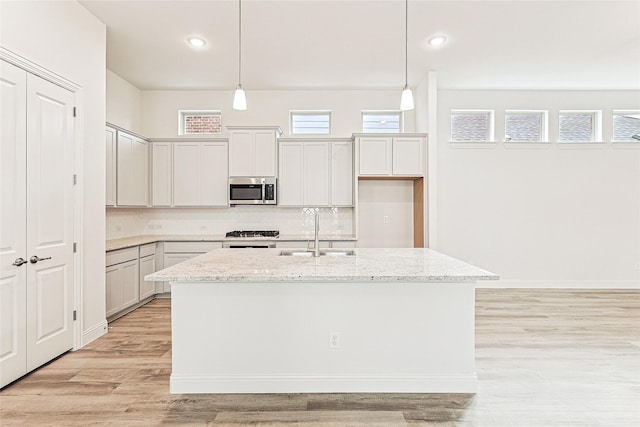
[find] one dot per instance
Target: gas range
(253, 234)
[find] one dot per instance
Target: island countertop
(367, 265)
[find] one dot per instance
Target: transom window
(381, 121)
(310, 122)
(525, 126)
(191, 122)
(626, 126)
(471, 125)
(579, 126)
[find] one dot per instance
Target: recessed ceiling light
(437, 40)
(196, 41)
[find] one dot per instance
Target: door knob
(19, 261)
(36, 258)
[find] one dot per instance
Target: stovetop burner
(267, 233)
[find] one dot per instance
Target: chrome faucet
(316, 245)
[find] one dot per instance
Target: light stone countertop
(367, 265)
(127, 242)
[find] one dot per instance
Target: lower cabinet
(121, 280)
(147, 266)
(177, 252)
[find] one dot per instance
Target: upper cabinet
(391, 155)
(110, 143)
(253, 151)
(132, 170)
(315, 172)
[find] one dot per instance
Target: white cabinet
(121, 280)
(315, 173)
(132, 170)
(391, 156)
(177, 252)
(147, 266)
(110, 143)
(200, 174)
(161, 173)
(252, 151)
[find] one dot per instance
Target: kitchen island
(379, 320)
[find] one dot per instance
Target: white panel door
(49, 221)
(264, 153)
(214, 172)
(407, 156)
(186, 161)
(241, 153)
(316, 174)
(110, 182)
(290, 180)
(342, 174)
(13, 143)
(161, 170)
(375, 156)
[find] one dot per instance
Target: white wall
(124, 103)
(547, 214)
(265, 107)
(63, 37)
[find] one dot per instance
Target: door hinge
(75, 179)
(74, 111)
(75, 247)
(75, 314)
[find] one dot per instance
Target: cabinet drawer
(122, 255)
(146, 250)
(343, 244)
(179, 247)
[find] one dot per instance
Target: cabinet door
(113, 289)
(186, 160)
(342, 174)
(407, 156)
(125, 170)
(140, 172)
(316, 174)
(110, 143)
(147, 266)
(173, 259)
(161, 171)
(241, 153)
(213, 174)
(375, 156)
(264, 153)
(290, 181)
(130, 293)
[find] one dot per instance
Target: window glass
(578, 126)
(471, 125)
(524, 126)
(310, 122)
(626, 126)
(381, 121)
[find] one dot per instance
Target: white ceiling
(359, 44)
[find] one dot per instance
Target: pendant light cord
(406, 43)
(239, 42)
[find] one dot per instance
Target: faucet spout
(316, 245)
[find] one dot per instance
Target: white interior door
(49, 221)
(13, 362)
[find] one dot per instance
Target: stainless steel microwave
(252, 191)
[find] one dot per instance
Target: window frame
(491, 128)
(544, 125)
(622, 112)
(596, 132)
(399, 113)
(182, 115)
(292, 113)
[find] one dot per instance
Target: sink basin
(302, 253)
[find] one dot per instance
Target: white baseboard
(559, 284)
(94, 332)
(182, 384)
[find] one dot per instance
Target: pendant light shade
(239, 97)
(406, 101)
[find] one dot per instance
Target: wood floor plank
(544, 357)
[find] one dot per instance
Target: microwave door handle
(264, 191)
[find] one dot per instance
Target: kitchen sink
(302, 253)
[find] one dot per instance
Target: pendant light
(239, 98)
(406, 101)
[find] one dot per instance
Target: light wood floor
(544, 358)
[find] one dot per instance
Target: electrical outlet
(385, 219)
(203, 227)
(158, 227)
(151, 227)
(334, 339)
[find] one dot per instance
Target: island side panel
(274, 337)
